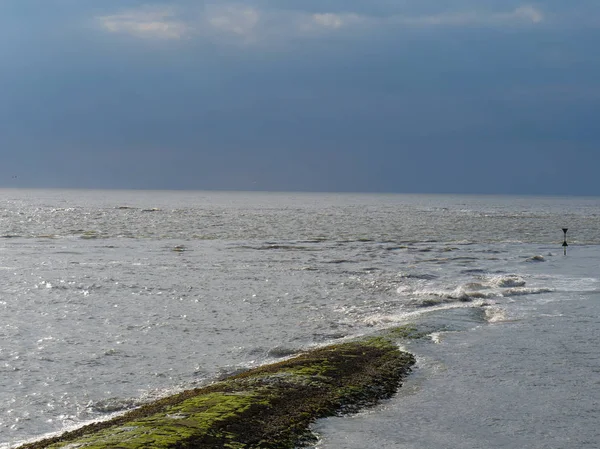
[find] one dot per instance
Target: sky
(407, 96)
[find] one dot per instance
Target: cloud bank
(147, 23)
(252, 24)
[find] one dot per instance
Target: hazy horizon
(297, 192)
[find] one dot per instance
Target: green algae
(405, 332)
(177, 423)
(268, 407)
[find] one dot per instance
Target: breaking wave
(486, 288)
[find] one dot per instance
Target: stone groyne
(268, 407)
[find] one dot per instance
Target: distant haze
(457, 96)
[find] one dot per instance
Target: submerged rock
(268, 407)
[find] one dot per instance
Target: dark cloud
(377, 96)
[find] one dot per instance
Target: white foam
(495, 314)
(505, 281)
(461, 293)
(521, 291)
(436, 337)
(404, 317)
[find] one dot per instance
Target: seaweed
(268, 407)
(406, 332)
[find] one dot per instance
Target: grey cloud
(338, 93)
(258, 22)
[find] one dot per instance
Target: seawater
(113, 298)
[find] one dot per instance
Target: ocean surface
(109, 299)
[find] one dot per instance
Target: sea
(110, 299)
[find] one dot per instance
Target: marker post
(565, 244)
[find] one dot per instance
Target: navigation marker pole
(565, 244)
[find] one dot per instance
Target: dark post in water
(565, 244)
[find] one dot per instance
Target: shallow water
(528, 379)
(112, 298)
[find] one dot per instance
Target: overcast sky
(426, 96)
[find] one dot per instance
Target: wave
(428, 298)
(279, 246)
(526, 291)
(474, 271)
(501, 286)
(113, 405)
(506, 281)
(424, 276)
(426, 289)
(386, 320)
(494, 314)
(436, 337)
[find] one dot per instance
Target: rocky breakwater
(268, 407)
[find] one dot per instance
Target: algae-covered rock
(405, 332)
(268, 407)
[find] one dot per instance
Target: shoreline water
(515, 382)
